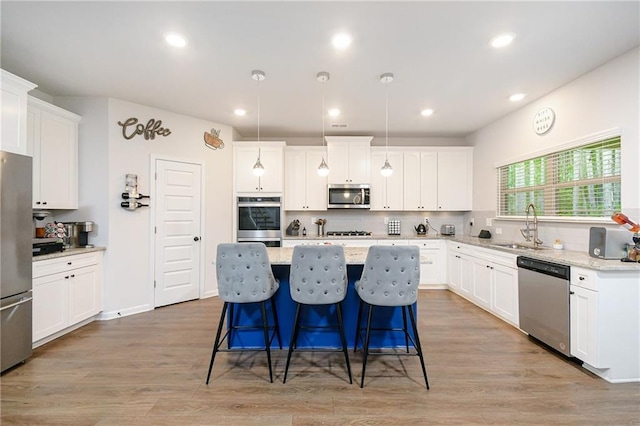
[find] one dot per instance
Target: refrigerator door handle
(19, 302)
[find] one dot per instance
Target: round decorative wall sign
(543, 120)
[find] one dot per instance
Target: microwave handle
(362, 196)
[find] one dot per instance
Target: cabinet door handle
(44, 202)
(66, 277)
(37, 202)
(73, 275)
(68, 263)
(196, 238)
(572, 292)
(581, 278)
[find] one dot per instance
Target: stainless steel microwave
(349, 196)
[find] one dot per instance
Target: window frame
(552, 152)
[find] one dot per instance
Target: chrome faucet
(526, 233)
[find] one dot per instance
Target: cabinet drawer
(393, 242)
(459, 247)
(426, 244)
(66, 263)
(585, 278)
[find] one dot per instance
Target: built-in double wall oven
(259, 220)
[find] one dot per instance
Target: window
(581, 182)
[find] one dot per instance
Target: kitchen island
(280, 258)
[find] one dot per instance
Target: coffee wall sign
(212, 140)
(131, 128)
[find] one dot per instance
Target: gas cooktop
(348, 234)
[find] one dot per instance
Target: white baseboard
(105, 316)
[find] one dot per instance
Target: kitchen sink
(519, 246)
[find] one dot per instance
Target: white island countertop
(283, 255)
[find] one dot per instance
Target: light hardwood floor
(149, 369)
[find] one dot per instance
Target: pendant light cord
(386, 122)
(258, 118)
(323, 116)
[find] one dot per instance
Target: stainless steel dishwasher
(543, 293)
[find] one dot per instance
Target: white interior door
(177, 233)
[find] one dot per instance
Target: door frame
(152, 221)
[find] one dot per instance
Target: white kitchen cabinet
(481, 289)
(504, 295)
(584, 319)
(455, 179)
(50, 305)
(349, 159)
(459, 265)
(66, 292)
(52, 137)
(304, 189)
(386, 192)
(604, 322)
(271, 157)
(431, 262)
(420, 188)
(488, 278)
(14, 113)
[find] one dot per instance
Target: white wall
(604, 98)
(109, 157)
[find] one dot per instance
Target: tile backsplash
(374, 221)
(574, 236)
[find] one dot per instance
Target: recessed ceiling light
(240, 112)
(427, 112)
(341, 41)
(334, 112)
(517, 97)
(502, 40)
(175, 40)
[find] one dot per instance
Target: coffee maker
(82, 231)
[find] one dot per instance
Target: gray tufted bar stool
(390, 277)
(318, 277)
(244, 275)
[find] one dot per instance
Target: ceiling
(438, 51)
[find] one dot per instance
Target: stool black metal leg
(358, 320)
(404, 325)
(294, 337)
(265, 326)
(216, 343)
(275, 320)
(366, 345)
(344, 340)
(418, 345)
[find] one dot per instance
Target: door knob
(196, 238)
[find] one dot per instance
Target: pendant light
(258, 168)
(323, 168)
(386, 170)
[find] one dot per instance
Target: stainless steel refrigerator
(16, 249)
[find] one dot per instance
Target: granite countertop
(283, 255)
(68, 252)
(566, 257)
